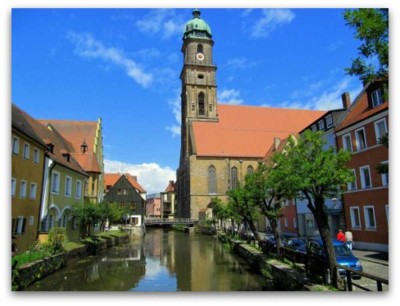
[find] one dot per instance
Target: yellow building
(86, 147)
(27, 164)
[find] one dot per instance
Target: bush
(57, 239)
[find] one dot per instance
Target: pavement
(372, 256)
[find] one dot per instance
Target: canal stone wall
(281, 276)
(29, 273)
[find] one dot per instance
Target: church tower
(199, 89)
(198, 98)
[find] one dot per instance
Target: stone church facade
(220, 144)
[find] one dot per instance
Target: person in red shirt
(340, 236)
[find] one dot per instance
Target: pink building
(153, 205)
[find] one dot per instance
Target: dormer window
(84, 146)
(66, 155)
(377, 97)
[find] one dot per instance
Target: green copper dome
(197, 27)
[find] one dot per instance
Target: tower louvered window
(201, 102)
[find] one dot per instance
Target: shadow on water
(164, 260)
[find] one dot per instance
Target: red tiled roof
(170, 187)
(361, 110)
(52, 136)
(76, 133)
(111, 178)
(247, 131)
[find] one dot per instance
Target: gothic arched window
(212, 180)
(234, 178)
(199, 48)
(250, 170)
(202, 110)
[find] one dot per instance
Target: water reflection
(164, 260)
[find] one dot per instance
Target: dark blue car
(317, 259)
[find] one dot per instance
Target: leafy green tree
(307, 168)
(266, 198)
(244, 207)
(371, 26)
(219, 210)
(87, 216)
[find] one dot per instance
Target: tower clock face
(200, 56)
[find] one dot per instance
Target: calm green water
(164, 260)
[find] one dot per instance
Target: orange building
(366, 200)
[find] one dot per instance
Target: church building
(220, 144)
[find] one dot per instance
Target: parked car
(298, 249)
(317, 260)
(270, 242)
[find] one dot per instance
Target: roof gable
(111, 179)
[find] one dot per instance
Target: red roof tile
(77, 133)
(52, 136)
(247, 131)
(361, 110)
(170, 187)
(111, 178)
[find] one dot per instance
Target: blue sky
(123, 66)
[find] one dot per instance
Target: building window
(35, 156)
(119, 191)
(22, 192)
(55, 182)
(210, 108)
(200, 76)
(329, 122)
(314, 128)
(124, 191)
(20, 226)
(369, 215)
(353, 185)
(387, 213)
(78, 191)
(286, 222)
(68, 186)
(26, 150)
(199, 48)
(377, 97)
(385, 176)
(212, 180)
(31, 220)
(201, 103)
(355, 217)
(193, 107)
(380, 130)
(234, 178)
(64, 221)
(360, 139)
(321, 126)
(294, 223)
(15, 145)
(365, 177)
(347, 142)
(32, 191)
(250, 170)
(133, 206)
(13, 186)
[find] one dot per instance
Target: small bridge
(166, 221)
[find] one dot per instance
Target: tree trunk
(324, 230)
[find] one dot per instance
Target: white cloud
(229, 96)
(151, 176)
(162, 21)
(86, 46)
(240, 63)
(314, 97)
(271, 19)
(175, 104)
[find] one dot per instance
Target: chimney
(346, 100)
(277, 141)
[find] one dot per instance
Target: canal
(164, 260)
